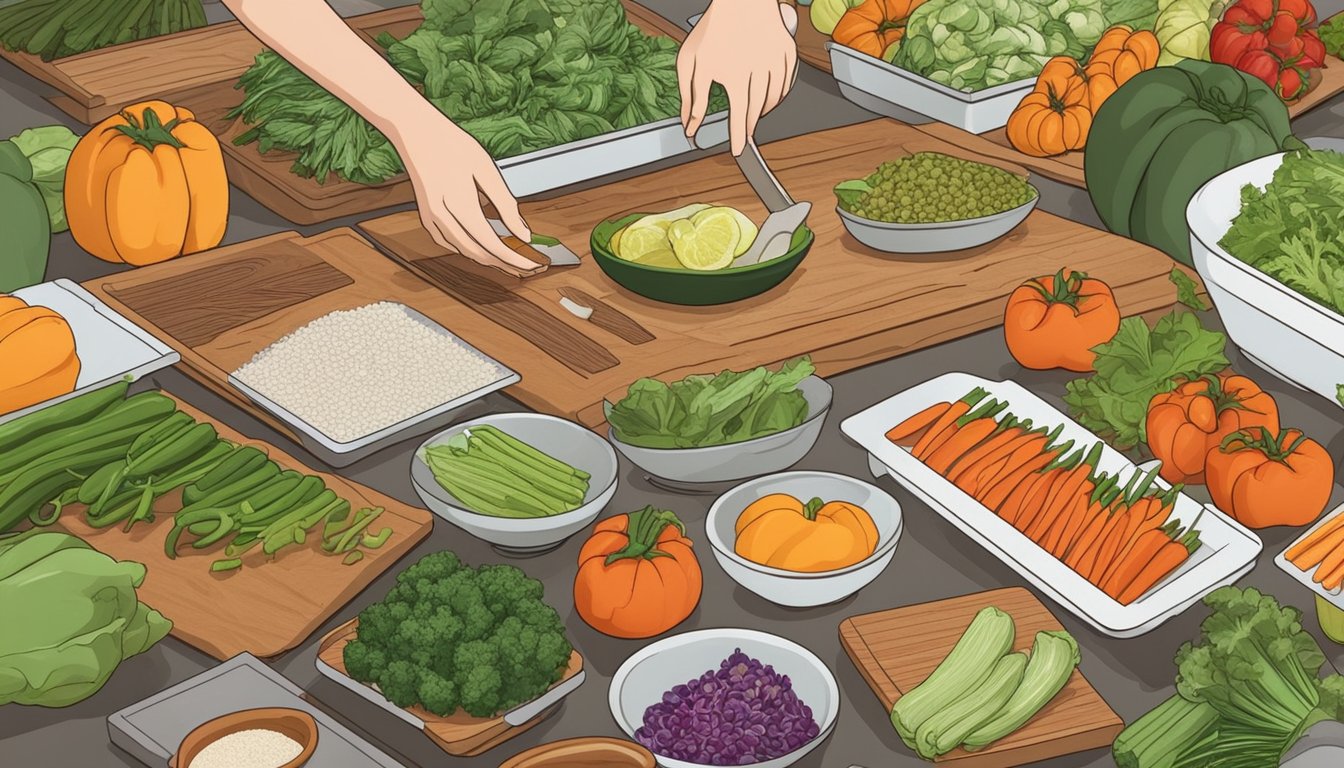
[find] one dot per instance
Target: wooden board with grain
(1067, 168)
(896, 650)
(264, 608)
(846, 305)
(459, 734)
(268, 177)
(220, 307)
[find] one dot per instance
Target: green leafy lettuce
(1332, 34)
(48, 149)
(1293, 229)
(1136, 14)
(518, 75)
(717, 409)
(1187, 292)
(970, 45)
(1140, 363)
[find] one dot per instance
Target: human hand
(747, 47)
(450, 172)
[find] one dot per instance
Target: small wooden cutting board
(898, 649)
(264, 608)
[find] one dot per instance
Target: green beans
(493, 473)
(76, 410)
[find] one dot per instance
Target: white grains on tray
(251, 748)
(353, 372)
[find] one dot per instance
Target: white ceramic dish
(737, 461)
(340, 454)
(1228, 551)
(791, 588)
(656, 668)
(938, 237)
(109, 346)
(1305, 577)
(1284, 332)
(889, 90)
(564, 440)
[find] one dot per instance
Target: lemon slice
(746, 225)
(640, 239)
(664, 258)
(708, 244)
(615, 244)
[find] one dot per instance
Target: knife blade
(553, 250)
(758, 174)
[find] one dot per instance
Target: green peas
(930, 187)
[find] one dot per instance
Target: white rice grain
(354, 372)
(252, 748)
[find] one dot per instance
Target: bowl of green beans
(929, 202)
(524, 482)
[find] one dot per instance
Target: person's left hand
(747, 47)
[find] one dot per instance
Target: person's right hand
(447, 168)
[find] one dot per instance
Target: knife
(553, 250)
(785, 215)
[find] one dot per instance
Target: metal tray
(151, 730)
(888, 90)
(591, 158)
(338, 454)
(110, 347)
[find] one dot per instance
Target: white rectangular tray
(109, 346)
(338, 454)
(1304, 577)
(1228, 550)
(889, 90)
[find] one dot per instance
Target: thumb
(506, 205)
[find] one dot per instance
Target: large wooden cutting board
(846, 305)
(264, 608)
(94, 85)
(267, 178)
(1328, 83)
(896, 650)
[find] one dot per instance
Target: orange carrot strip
(997, 489)
(966, 440)
(947, 420)
(1070, 522)
(1315, 537)
(1110, 546)
(1045, 515)
(1318, 551)
(908, 432)
(1167, 559)
(997, 446)
(1129, 565)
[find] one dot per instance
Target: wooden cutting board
(264, 608)
(267, 178)
(95, 85)
(846, 305)
(1068, 168)
(896, 650)
(459, 734)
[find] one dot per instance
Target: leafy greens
(1140, 363)
(518, 75)
(718, 409)
(1293, 230)
(1332, 34)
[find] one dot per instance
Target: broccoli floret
(450, 637)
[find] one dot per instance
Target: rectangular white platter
(109, 346)
(1305, 577)
(1228, 550)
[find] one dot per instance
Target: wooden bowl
(587, 752)
(294, 723)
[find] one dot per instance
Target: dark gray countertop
(932, 561)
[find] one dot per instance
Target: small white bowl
(580, 448)
(737, 461)
(935, 237)
(791, 588)
(644, 677)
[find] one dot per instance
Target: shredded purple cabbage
(742, 713)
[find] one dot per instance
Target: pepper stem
(149, 132)
(643, 530)
(811, 508)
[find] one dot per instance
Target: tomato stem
(1272, 446)
(150, 132)
(643, 530)
(1062, 290)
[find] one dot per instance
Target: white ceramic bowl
(939, 237)
(564, 440)
(655, 669)
(1281, 330)
(804, 590)
(737, 461)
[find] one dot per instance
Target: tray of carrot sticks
(1316, 559)
(1104, 538)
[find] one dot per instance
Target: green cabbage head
(71, 616)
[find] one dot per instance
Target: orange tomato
(874, 25)
(1054, 322)
(1187, 423)
(1262, 479)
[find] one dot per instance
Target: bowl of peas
(928, 202)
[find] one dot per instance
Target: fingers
(758, 92)
(493, 249)
(685, 71)
(699, 101)
(497, 191)
(775, 92)
(789, 15)
(450, 233)
(739, 107)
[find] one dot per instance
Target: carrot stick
(1030, 510)
(994, 447)
(908, 432)
(1083, 512)
(1027, 452)
(1141, 519)
(986, 411)
(948, 419)
(1128, 565)
(1094, 530)
(1167, 559)
(1116, 542)
(1318, 551)
(996, 491)
(1336, 523)
(1105, 545)
(1018, 502)
(966, 440)
(1334, 579)
(1063, 500)
(1329, 565)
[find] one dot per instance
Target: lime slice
(708, 244)
(639, 239)
(746, 225)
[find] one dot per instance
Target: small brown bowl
(587, 752)
(294, 723)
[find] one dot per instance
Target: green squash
(23, 220)
(1331, 619)
(1164, 134)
